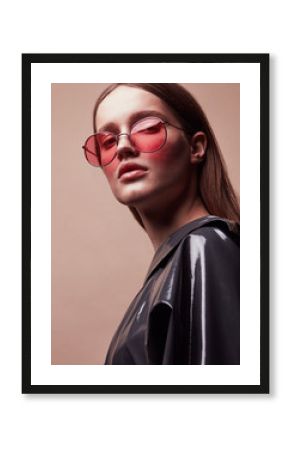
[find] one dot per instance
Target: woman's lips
(131, 170)
(133, 174)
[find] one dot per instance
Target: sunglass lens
(107, 145)
(90, 149)
(149, 134)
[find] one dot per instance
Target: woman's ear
(198, 147)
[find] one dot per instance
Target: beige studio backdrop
(100, 255)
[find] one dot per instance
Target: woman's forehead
(124, 102)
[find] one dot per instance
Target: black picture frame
(263, 61)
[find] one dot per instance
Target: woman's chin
(133, 201)
(134, 198)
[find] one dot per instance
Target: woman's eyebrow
(133, 118)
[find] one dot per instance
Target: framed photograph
(145, 223)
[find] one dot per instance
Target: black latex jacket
(188, 310)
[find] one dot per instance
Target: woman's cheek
(159, 157)
(166, 157)
(111, 170)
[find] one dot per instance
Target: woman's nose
(124, 146)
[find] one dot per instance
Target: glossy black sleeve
(206, 314)
(200, 322)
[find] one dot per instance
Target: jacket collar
(174, 239)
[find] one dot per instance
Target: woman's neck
(159, 224)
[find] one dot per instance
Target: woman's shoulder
(216, 231)
(213, 246)
(210, 234)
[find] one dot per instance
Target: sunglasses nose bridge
(124, 143)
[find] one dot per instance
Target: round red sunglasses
(148, 135)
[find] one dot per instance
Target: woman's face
(166, 173)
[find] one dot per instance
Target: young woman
(161, 159)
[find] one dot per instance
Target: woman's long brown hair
(215, 188)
